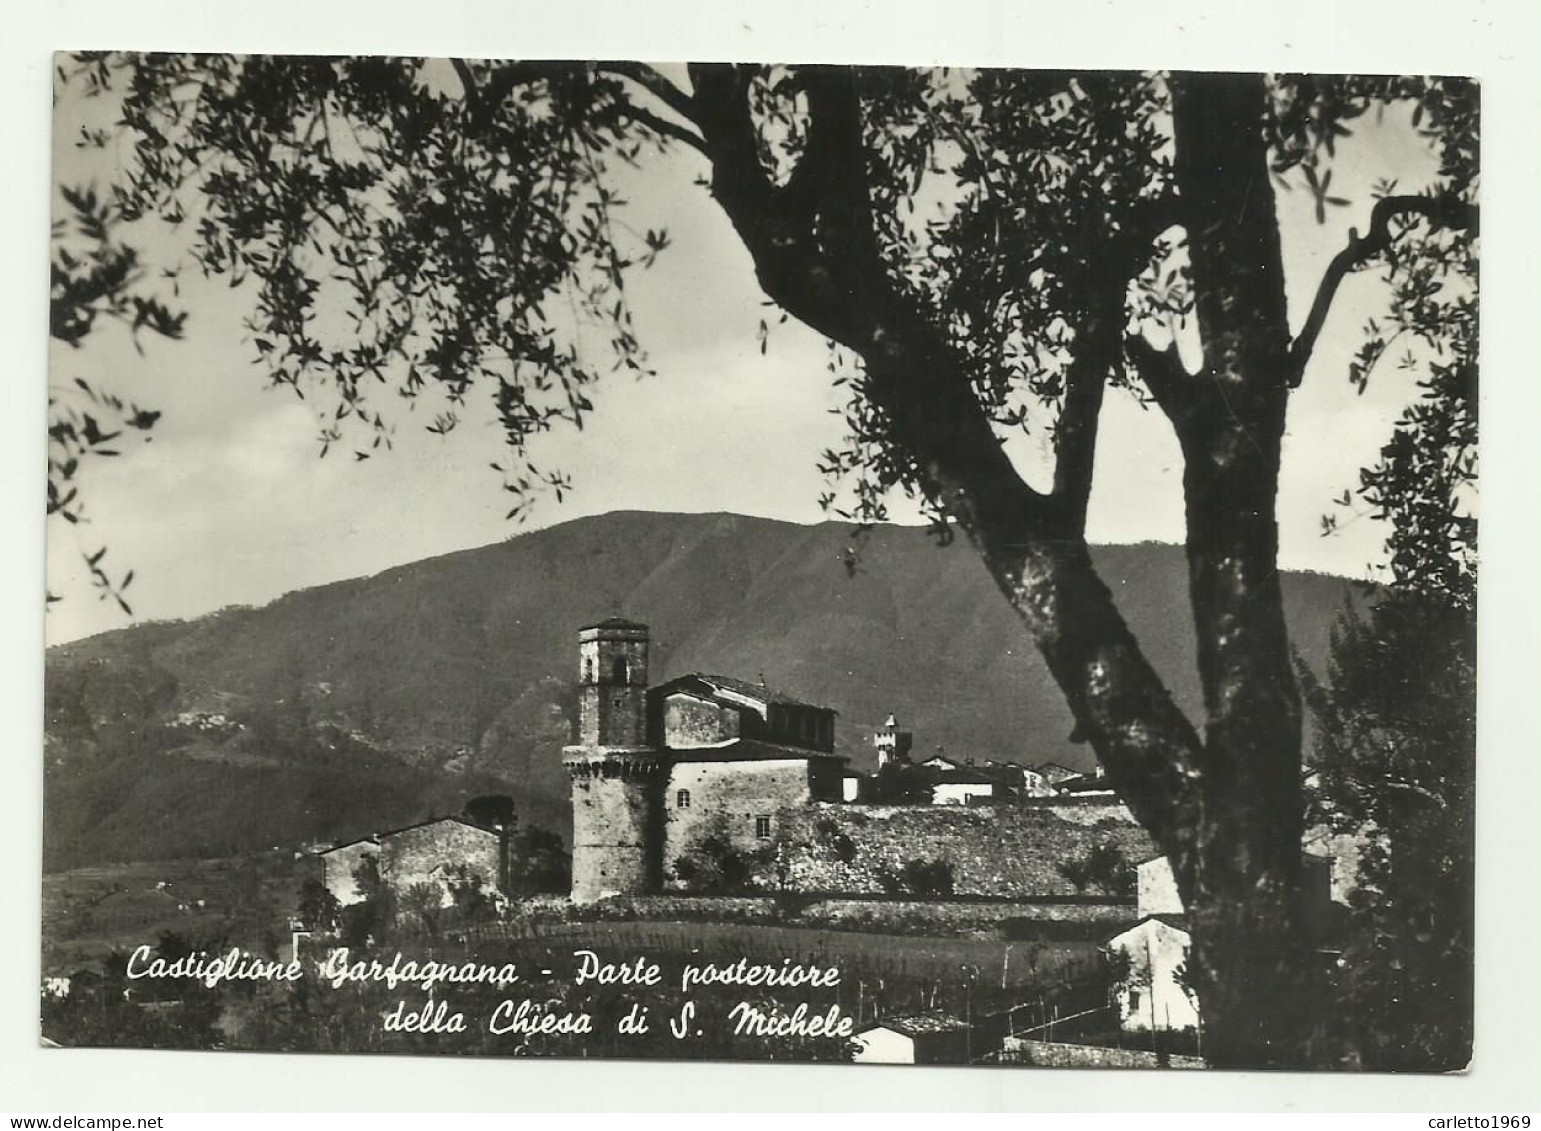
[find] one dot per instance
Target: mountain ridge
(367, 700)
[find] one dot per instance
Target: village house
(1149, 957)
(1022, 780)
(1053, 773)
(925, 1038)
(1094, 784)
(1150, 985)
(965, 785)
(431, 852)
(948, 781)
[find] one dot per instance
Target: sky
(227, 501)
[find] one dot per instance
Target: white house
(923, 1038)
(850, 785)
(1150, 990)
(961, 786)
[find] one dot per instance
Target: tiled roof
(1005, 773)
(376, 838)
(964, 775)
(916, 1024)
(1175, 921)
(1055, 767)
(340, 845)
(1085, 783)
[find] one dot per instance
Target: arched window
(588, 671)
(620, 670)
(682, 799)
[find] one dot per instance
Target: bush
(318, 908)
(715, 865)
(539, 864)
(1103, 867)
(926, 878)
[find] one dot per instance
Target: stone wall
(612, 686)
(423, 854)
(725, 800)
(611, 714)
(1008, 920)
(689, 721)
(1053, 1054)
(1009, 852)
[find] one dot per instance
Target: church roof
(745, 690)
(613, 622)
(746, 750)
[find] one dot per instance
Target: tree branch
(663, 126)
(815, 250)
(483, 99)
(1409, 787)
(655, 84)
(1441, 212)
(472, 91)
(1075, 440)
(1164, 375)
(777, 227)
(666, 92)
(1098, 339)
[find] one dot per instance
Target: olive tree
(986, 252)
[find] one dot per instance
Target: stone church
(657, 769)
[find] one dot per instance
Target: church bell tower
(612, 684)
(616, 774)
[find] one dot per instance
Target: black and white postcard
(745, 561)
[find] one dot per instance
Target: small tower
(612, 683)
(615, 772)
(893, 744)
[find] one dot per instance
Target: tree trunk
(1225, 809)
(1240, 874)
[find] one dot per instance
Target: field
(873, 956)
(91, 913)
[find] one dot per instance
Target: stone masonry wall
(1009, 852)
(725, 798)
(1004, 919)
(613, 834)
(688, 721)
(1049, 1054)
